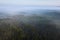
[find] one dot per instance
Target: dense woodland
(28, 28)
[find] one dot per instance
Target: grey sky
(31, 2)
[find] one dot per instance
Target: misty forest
(30, 25)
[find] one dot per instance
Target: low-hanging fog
(29, 23)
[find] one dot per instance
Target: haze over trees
(32, 27)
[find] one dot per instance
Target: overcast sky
(31, 2)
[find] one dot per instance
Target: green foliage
(37, 28)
